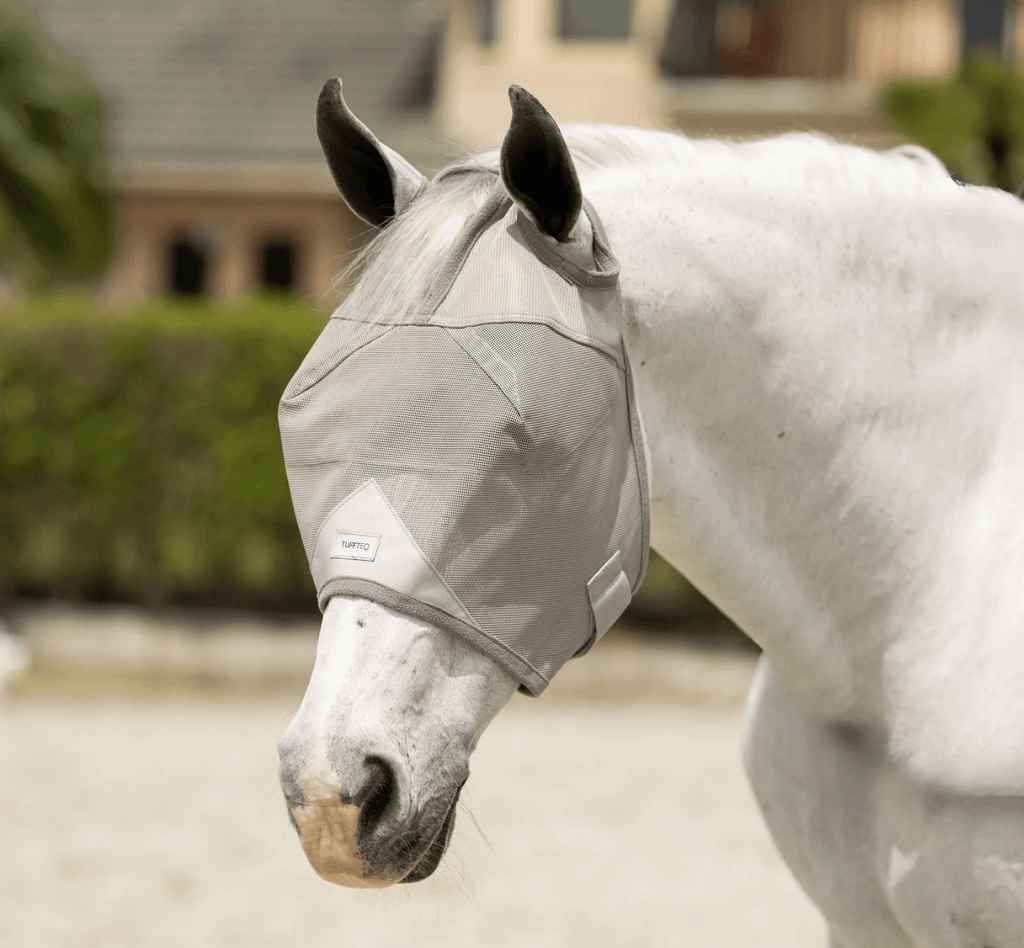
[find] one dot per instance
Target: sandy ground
(145, 823)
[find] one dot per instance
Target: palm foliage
(56, 204)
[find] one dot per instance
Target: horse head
(453, 564)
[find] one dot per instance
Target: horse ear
(536, 166)
(375, 181)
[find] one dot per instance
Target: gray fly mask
(479, 464)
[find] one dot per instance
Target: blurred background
(169, 232)
(169, 238)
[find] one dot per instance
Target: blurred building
(731, 68)
(222, 187)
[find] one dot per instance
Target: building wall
(579, 80)
(904, 38)
(232, 228)
(851, 41)
(812, 39)
(1016, 32)
(857, 40)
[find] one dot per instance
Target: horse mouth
(434, 852)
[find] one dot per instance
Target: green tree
(972, 120)
(56, 199)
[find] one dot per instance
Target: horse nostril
(376, 795)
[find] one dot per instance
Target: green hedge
(140, 459)
(973, 119)
(139, 454)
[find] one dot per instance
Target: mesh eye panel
(476, 466)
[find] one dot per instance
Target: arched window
(189, 269)
(278, 265)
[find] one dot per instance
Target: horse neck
(799, 378)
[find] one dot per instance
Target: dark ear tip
(520, 99)
(330, 108)
(331, 92)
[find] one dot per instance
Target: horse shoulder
(954, 679)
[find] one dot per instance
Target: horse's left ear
(536, 166)
(375, 181)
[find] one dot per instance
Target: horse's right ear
(536, 166)
(375, 181)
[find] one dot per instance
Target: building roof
(236, 81)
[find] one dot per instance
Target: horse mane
(422, 234)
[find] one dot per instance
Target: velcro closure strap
(609, 593)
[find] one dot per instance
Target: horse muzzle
(372, 836)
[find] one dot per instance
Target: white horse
(828, 347)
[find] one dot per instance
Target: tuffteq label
(355, 546)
